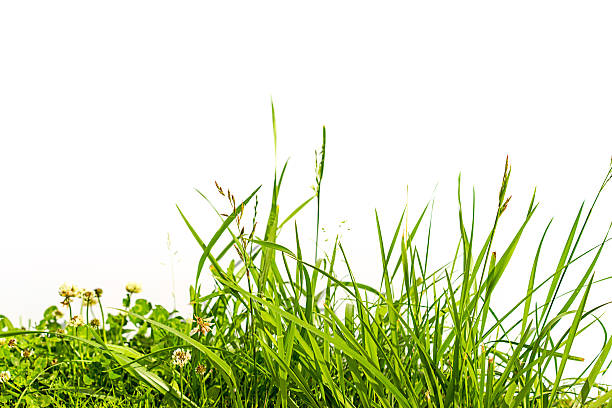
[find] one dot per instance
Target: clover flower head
(200, 369)
(133, 287)
(69, 291)
(98, 292)
(181, 357)
(89, 298)
(203, 325)
(5, 376)
(95, 323)
(76, 321)
(12, 343)
(27, 353)
(66, 302)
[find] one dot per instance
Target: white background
(112, 112)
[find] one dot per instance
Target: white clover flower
(89, 298)
(69, 291)
(133, 287)
(181, 357)
(5, 376)
(76, 321)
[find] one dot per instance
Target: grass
(289, 331)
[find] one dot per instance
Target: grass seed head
(219, 189)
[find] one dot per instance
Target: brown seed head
(203, 325)
(219, 189)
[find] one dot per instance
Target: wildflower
(5, 376)
(89, 298)
(66, 302)
(181, 357)
(200, 369)
(12, 343)
(203, 325)
(76, 321)
(58, 314)
(67, 291)
(27, 353)
(95, 323)
(98, 292)
(133, 287)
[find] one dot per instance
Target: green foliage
(291, 332)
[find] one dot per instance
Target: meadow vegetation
(281, 329)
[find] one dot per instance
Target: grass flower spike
(181, 357)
